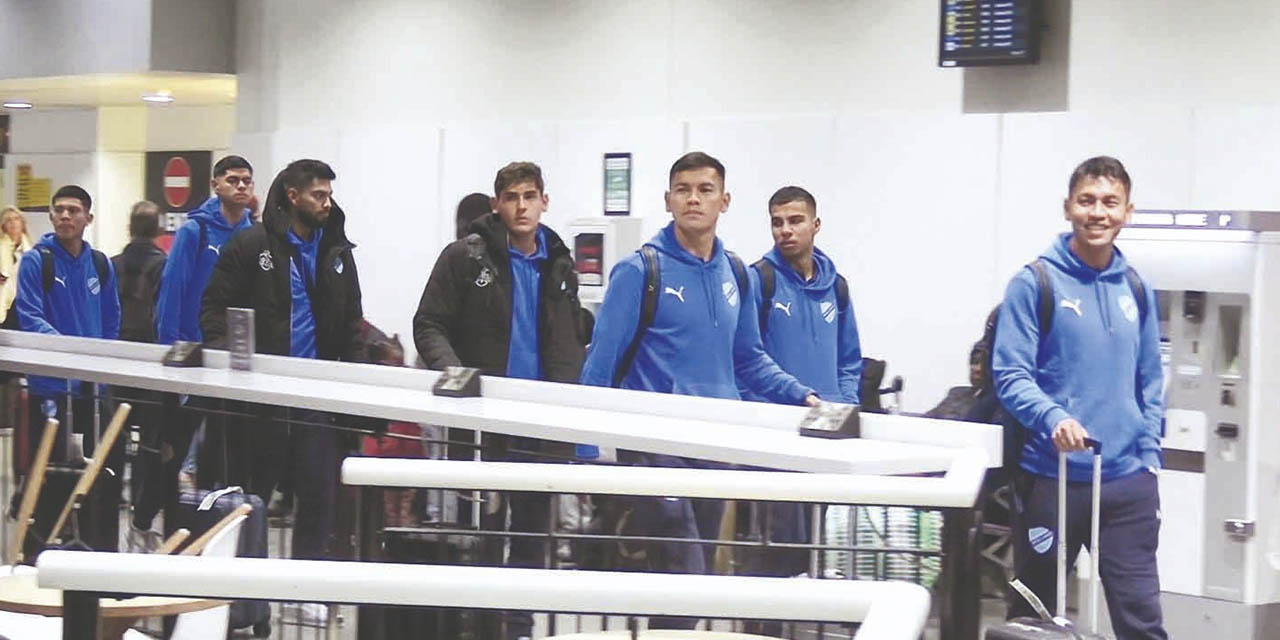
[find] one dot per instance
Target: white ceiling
(116, 89)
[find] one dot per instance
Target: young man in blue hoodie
(704, 339)
(808, 328)
(195, 250)
(66, 287)
(1092, 372)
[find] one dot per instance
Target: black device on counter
(184, 354)
(832, 420)
(458, 382)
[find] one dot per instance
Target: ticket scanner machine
(598, 244)
(1217, 281)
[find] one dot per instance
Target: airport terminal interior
(646, 319)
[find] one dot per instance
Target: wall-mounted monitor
(976, 33)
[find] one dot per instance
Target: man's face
(520, 206)
(696, 200)
(1098, 208)
(234, 186)
(794, 225)
(313, 203)
(69, 217)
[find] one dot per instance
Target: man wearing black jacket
(138, 268)
(297, 272)
(504, 299)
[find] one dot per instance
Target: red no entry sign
(177, 181)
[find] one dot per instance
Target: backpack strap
(768, 286)
(739, 274)
(103, 265)
(1139, 293)
(648, 309)
(100, 263)
(46, 269)
(1044, 309)
(842, 294)
(204, 237)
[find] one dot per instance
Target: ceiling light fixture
(17, 104)
(158, 98)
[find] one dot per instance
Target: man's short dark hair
(470, 208)
(301, 173)
(144, 220)
(695, 160)
(1100, 167)
(73, 191)
(515, 173)
(789, 194)
(228, 163)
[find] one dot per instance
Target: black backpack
(100, 263)
(138, 284)
(1014, 436)
(649, 303)
(769, 285)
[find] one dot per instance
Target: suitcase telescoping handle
(1093, 533)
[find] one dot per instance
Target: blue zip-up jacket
(702, 334)
(77, 305)
(1099, 364)
(523, 360)
(186, 274)
(807, 335)
(302, 321)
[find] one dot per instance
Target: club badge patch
(730, 293)
(828, 310)
(1128, 307)
(485, 277)
(1041, 539)
(264, 260)
(337, 265)
(94, 285)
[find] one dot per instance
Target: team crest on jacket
(485, 277)
(730, 293)
(828, 310)
(337, 265)
(264, 260)
(1128, 307)
(94, 285)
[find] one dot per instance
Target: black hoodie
(253, 273)
(464, 317)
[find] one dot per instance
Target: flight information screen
(989, 32)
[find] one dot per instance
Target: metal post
(80, 615)
(960, 609)
(370, 620)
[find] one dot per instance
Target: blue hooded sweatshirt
(702, 333)
(77, 305)
(302, 322)
(187, 271)
(807, 335)
(1099, 364)
(523, 359)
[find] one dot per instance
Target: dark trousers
(315, 483)
(263, 453)
(675, 518)
(1128, 535)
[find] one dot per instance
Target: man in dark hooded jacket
(297, 272)
(504, 299)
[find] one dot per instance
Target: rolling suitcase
(1058, 627)
(205, 509)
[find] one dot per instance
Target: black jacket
(138, 269)
(253, 273)
(464, 317)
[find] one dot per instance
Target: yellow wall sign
(33, 192)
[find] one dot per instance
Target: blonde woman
(13, 243)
